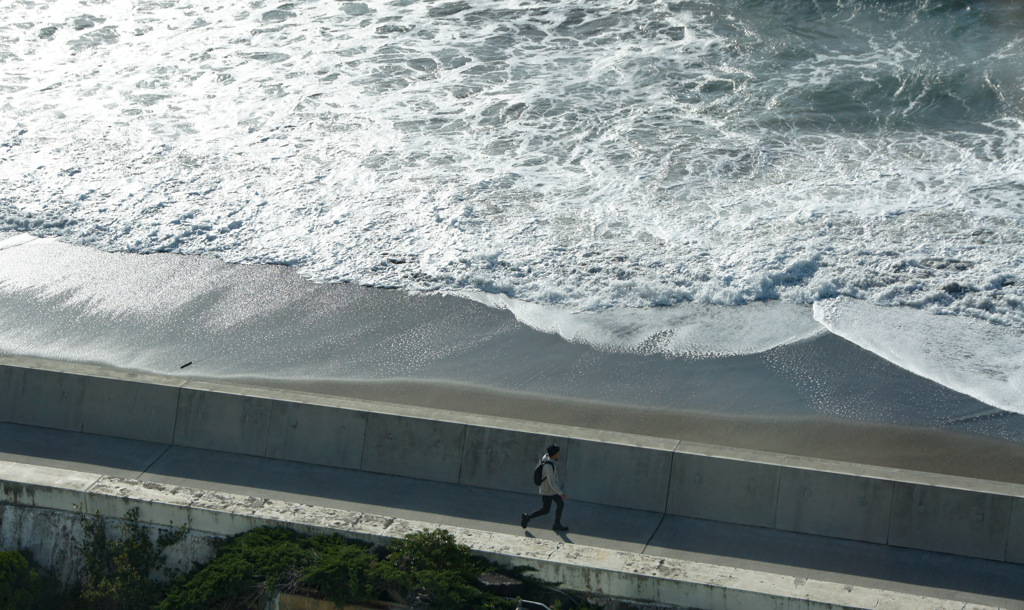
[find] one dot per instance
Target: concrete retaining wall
(52, 538)
(41, 510)
(880, 505)
(90, 403)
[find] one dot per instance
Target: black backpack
(538, 472)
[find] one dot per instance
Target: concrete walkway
(796, 555)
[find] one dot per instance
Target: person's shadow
(563, 535)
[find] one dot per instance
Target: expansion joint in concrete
(775, 504)
(1007, 547)
(888, 525)
(156, 459)
(668, 495)
(462, 452)
(177, 410)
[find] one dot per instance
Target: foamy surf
(686, 330)
(593, 156)
(970, 356)
(678, 179)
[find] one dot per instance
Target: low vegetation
(22, 585)
(426, 569)
(120, 573)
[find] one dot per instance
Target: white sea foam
(633, 162)
(972, 357)
(686, 330)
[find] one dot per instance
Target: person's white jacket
(550, 485)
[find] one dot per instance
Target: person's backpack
(538, 472)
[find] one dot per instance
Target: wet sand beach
(821, 396)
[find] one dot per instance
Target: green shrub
(24, 587)
(340, 570)
(245, 566)
(19, 583)
(434, 550)
(427, 567)
(431, 564)
(119, 573)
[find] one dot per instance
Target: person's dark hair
(553, 450)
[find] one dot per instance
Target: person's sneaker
(558, 527)
(523, 520)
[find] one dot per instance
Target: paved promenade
(798, 556)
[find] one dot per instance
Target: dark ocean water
(631, 175)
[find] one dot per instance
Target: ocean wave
(636, 160)
(682, 331)
(975, 358)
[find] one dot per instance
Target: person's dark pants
(546, 508)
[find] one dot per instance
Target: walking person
(550, 490)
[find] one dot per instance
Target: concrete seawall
(899, 508)
(41, 505)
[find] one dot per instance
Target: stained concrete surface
(119, 457)
(792, 554)
(934, 512)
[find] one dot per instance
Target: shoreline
(268, 326)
